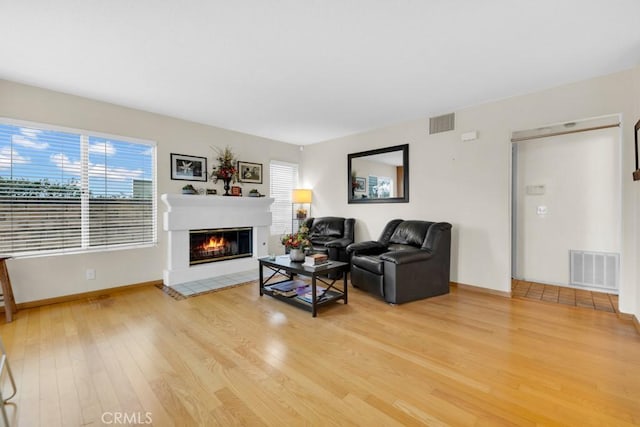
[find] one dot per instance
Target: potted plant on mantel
(226, 169)
(189, 189)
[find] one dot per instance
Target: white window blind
(67, 190)
(284, 178)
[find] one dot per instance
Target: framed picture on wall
(188, 168)
(361, 184)
(250, 172)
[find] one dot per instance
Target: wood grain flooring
(235, 358)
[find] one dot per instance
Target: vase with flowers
(296, 243)
(226, 169)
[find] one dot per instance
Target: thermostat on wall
(469, 136)
(535, 189)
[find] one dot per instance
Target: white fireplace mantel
(193, 212)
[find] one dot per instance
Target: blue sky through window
(35, 154)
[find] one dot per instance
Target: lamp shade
(301, 195)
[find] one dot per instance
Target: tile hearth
(203, 286)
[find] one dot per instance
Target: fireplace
(188, 212)
(219, 244)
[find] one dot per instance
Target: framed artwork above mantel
(188, 168)
(250, 172)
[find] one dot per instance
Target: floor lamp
(300, 197)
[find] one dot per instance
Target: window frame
(85, 134)
(289, 204)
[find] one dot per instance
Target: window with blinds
(284, 178)
(67, 190)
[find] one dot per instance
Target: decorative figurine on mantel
(226, 169)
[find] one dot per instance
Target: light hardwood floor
(234, 358)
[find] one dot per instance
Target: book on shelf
(307, 290)
(286, 286)
(288, 294)
(321, 295)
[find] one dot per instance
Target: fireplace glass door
(220, 244)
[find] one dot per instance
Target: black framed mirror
(379, 176)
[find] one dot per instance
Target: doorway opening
(566, 205)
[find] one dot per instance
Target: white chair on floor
(4, 364)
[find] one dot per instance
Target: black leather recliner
(410, 261)
(331, 235)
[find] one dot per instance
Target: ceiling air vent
(442, 123)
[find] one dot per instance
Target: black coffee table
(282, 265)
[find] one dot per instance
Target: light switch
(541, 210)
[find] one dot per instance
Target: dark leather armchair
(331, 235)
(411, 260)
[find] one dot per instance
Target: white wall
(48, 277)
(468, 184)
(449, 181)
(581, 176)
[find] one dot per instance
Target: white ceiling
(304, 71)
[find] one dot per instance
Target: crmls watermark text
(126, 418)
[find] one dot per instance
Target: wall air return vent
(442, 123)
(594, 269)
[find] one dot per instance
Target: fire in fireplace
(220, 244)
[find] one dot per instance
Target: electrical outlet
(91, 274)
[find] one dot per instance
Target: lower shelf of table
(331, 297)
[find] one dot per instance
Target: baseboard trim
(481, 289)
(83, 295)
